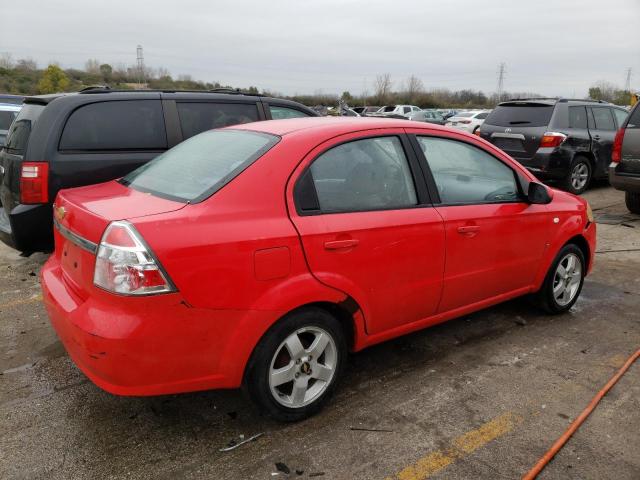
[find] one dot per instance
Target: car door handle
(339, 244)
(467, 229)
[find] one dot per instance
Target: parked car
(469, 121)
(364, 111)
(68, 140)
(624, 170)
(397, 111)
(447, 113)
(428, 116)
(8, 113)
(565, 140)
(260, 254)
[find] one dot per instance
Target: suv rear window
(197, 168)
(18, 135)
(197, 117)
(529, 115)
(116, 125)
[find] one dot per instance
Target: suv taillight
(125, 265)
(34, 182)
(552, 139)
(616, 153)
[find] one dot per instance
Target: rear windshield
(18, 135)
(530, 115)
(197, 168)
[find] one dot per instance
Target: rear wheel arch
(345, 312)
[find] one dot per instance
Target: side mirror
(538, 194)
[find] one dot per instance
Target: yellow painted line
(460, 447)
(23, 301)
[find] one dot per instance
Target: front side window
(603, 118)
(280, 113)
(368, 174)
(197, 168)
(466, 174)
(198, 117)
(621, 116)
(577, 117)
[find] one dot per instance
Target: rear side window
(199, 117)
(621, 116)
(197, 168)
(368, 174)
(634, 119)
(116, 125)
(280, 113)
(465, 174)
(6, 118)
(18, 136)
(577, 117)
(529, 115)
(603, 118)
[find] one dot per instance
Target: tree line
(24, 77)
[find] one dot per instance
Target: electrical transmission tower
(627, 84)
(501, 73)
(140, 64)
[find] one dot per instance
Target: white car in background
(468, 121)
(396, 111)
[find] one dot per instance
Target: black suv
(569, 141)
(624, 171)
(68, 140)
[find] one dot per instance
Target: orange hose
(533, 473)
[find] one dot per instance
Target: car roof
(11, 107)
(335, 125)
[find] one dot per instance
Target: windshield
(200, 166)
(529, 115)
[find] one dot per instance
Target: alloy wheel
(579, 176)
(567, 278)
(302, 367)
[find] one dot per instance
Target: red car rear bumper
(150, 345)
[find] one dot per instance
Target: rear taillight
(552, 139)
(125, 265)
(34, 182)
(616, 153)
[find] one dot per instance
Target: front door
(495, 240)
(603, 131)
(367, 227)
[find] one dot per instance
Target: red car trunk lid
(82, 214)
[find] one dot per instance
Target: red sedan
(262, 253)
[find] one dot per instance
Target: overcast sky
(557, 47)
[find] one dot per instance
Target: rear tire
(579, 176)
(564, 280)
(295, 368)
(633, 201)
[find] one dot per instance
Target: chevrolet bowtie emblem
(59, 213)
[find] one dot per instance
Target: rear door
(367, 228)
(602, 128)
(517, 127)
(495, 239)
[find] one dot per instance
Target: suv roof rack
(108, 89)
(591, 100)
(531, 98)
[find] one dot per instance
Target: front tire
(579, 176)
(633, 201)
(295, 368)
(564, 280)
